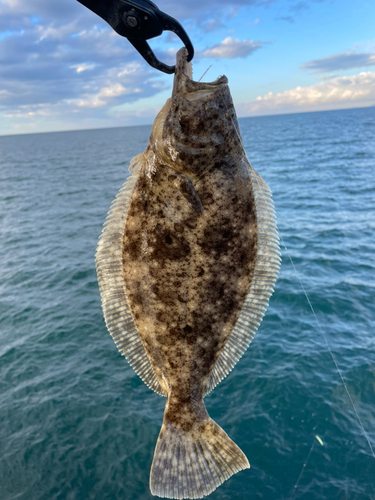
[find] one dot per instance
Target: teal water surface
(76, 423)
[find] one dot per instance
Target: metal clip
(138, 21)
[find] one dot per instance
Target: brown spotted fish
(186, 264)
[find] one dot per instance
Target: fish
(186, 264)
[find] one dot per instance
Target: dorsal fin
(115, 306)
(261, 288)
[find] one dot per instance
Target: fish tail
(192, 464)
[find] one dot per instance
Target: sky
(63, 68)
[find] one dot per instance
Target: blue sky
(63, 68)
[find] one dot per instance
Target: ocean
(76, 423)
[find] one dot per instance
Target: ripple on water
(78, 424)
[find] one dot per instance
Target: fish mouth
(184, 84)
(195, 123)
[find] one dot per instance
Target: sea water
(76, 423)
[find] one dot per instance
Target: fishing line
(316, 319)
(330, 351)
(204, 73)
(305, 464)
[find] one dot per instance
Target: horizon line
(150, 124)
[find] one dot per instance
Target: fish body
(186, 265)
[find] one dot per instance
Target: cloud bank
(340, 62)
(340, 92)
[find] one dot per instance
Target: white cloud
(231, 48)
(56, 32)
(340, 92)
(82, 67)
(106, 94)
(130, 69)
(27, 111)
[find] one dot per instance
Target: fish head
(198, 125)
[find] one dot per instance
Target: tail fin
(193, 464)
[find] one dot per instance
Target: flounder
(186, 264)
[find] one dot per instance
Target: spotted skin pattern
(187, 272)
